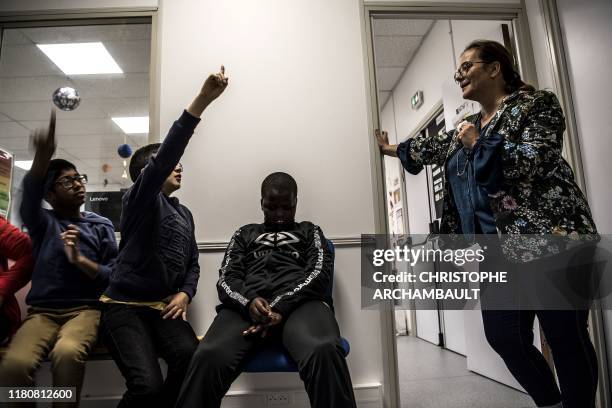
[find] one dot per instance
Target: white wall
(540, 45)
(466, 31)
(296, 102)
(432, 64)
(586, 32)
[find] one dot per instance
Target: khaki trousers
(64, 335)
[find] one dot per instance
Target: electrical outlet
(279, 398)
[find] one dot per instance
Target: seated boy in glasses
(73, 253)
(157, 270)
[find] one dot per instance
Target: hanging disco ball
(124, 150)
(66, 98)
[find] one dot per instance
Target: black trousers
(510, 334)
(510, 331)
(136, 336)
(311, 336)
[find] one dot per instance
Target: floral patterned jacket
(530, 185)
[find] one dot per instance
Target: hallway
(432, 377)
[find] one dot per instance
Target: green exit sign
(417, 100)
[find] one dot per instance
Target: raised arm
(34, 182)
(150, 182)
(418, 151)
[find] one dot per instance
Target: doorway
(413, 53)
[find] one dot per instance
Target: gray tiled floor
(431, 377)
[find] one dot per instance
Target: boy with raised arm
(73, 252)
(157, 269)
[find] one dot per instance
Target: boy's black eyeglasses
(68, 182)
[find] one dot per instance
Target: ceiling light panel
(23, 164)
(81, 58)
(132, 125)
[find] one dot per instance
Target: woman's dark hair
(141, 158)
(491, 51)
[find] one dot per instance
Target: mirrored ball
(66, 98)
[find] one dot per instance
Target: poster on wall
(456, 109)
(6, 176)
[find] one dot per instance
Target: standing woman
(504, 172)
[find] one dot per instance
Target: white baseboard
(366, 395)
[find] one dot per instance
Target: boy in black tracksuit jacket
(275, 279)
(263, 263)
(157, 270)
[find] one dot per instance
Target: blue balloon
(124, 150)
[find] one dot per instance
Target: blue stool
(275, 359)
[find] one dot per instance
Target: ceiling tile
(383, 97)
(82, 127)
(111, 141)
(131, 56)
(387, 77)
(115, 86)
(21, 89)
(23, 154)
(26, 61)
(395, 26)
(394, 51)
(40, 110)
(14, 36)
(67, 34)
(15, 143)
(13, 130)
(121, 107)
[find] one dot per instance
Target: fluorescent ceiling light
(136, 124)
(23, 164)
(81, 58)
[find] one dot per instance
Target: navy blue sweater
(57, 283)
(158, 255)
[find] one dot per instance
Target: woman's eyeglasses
(464, 68)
